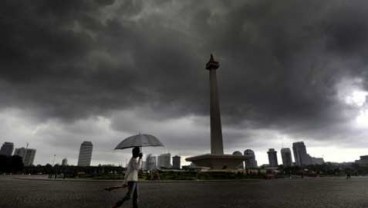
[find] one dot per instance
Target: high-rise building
(272, 157)
(363, 162)
(286, 157)
(7, 149)
(238, 153)
(64, 162)
(27, 155)
(30, 155)
(176, 162)
(302, 158)
(251, 162)
(151, 162)
(300, 154)
(85, 154)
(144, 165)
(164, 160)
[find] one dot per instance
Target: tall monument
(217, 159)
(216, 129)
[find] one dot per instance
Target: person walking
(131, 179)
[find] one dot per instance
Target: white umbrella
(139, 140)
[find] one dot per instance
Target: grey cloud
(280, 60)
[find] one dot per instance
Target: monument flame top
(212, 64)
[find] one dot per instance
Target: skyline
(104, 70)
(183, 161)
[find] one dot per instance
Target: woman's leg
(131, 188)
(135, 196)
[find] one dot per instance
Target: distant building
(272, 157)
(27, 155)
(251, 162)
(151, 162)
(317, 160)
(300, 154)
(176, 162)
(363, 162)
(85, 154)
(164, 161)
(302, 158)
(64, 162)
(286, 157)
(7, 149)
(144, 165)
(238, 153)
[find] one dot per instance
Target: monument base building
(218, 162)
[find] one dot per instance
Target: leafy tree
(4, 164)
(16, 163)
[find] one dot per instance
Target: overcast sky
(102, 70)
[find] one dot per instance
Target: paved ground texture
(280, 193)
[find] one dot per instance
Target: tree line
(11, 164)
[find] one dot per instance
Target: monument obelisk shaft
(216, 129)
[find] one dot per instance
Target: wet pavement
(281, 193)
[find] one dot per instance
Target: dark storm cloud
(286, 57)
(63, 60)
(280, 60)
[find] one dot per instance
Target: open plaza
(328, 192)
